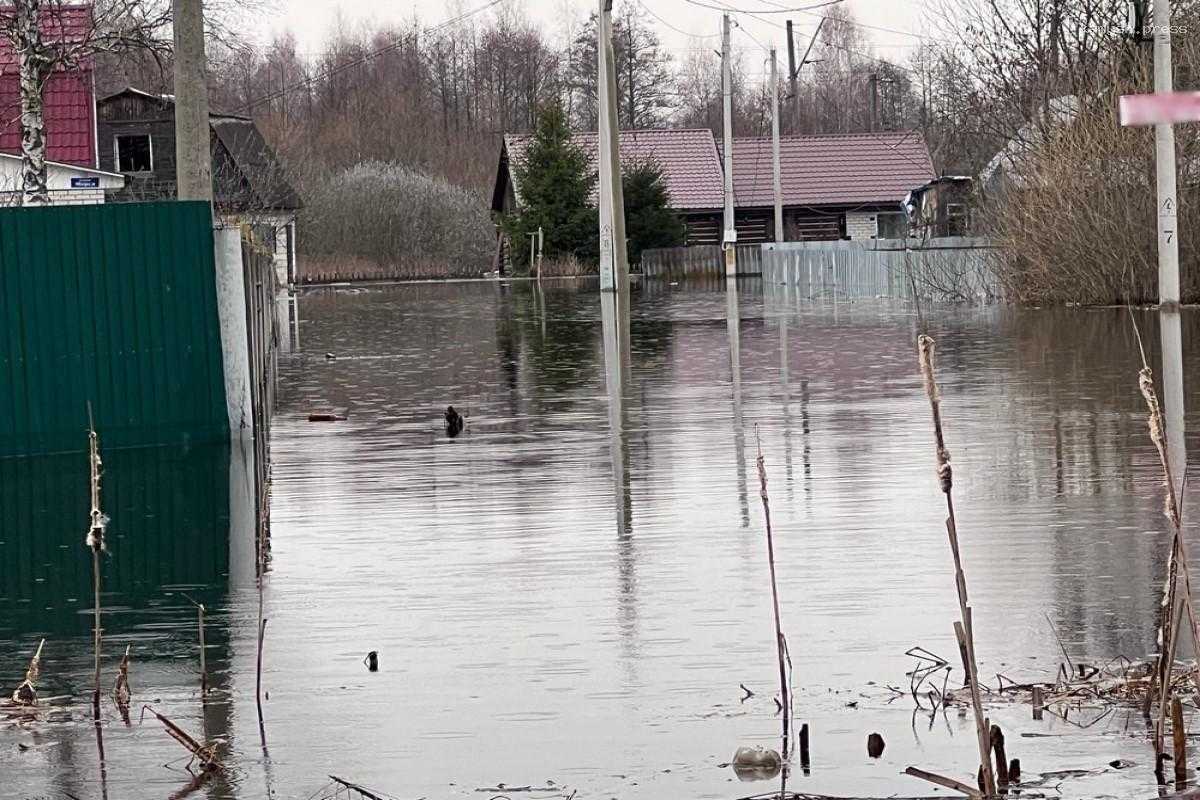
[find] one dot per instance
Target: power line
(799, 10)
(358, 62)
(651, 12)
(858, 24)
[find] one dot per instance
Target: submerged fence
(701, 259)
(951, 268)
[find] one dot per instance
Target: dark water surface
(573, 589)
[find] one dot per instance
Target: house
(69, 110)
(834, 186)
(687, 157)
(843, 186)
(137, 139)
(941, 207)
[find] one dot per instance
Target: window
(893, 225)
(134, 153)
(958, 219)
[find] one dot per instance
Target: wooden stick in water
(780, 643)
(963, 629)
(26, 693)
(95, 542)
(941, 780)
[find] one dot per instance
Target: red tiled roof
(839, 169)
(687, 157)
(68, 95)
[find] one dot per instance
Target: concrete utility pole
(1164, 143)
(793, 71)
(193, 158)
(729, 239)
(776, 182)
(614, 261)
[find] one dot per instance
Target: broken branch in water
(205, 754)
(780, 642)
(355, 788)
(941, 780)
(97, 522)
(963, 629)
(26, 693)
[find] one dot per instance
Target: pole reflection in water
(614, 311)
(734, 320)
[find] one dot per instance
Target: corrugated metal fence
(700, 259)
(112, 305)
(951, 268)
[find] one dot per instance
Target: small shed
(137, 140)
(69, 184)
(942, 206)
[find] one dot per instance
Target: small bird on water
(454, 422)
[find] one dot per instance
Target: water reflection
(572, 589)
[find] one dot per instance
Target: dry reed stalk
(780, 641)
(121, 691)
(95, 542)
(205, 754)
(963, 629)
(203, 655)
(26, 693)
(1177, 568)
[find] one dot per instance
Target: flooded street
(569, 594)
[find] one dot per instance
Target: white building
(68, 184)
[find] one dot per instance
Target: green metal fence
(112, 305)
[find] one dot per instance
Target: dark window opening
(133, 153)
(892, 225)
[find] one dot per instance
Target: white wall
(861, 225)
(58, 180)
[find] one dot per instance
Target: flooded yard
(567, 596)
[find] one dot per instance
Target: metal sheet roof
(687, 157)
(835, 169)
(70, 108)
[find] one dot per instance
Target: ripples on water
(555, 597)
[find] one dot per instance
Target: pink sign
(1160, 109)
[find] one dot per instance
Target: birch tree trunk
(34, 67)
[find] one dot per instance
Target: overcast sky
(310, 20)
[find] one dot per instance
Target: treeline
(1035, 79)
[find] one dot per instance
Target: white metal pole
(1164, 143)
(614, 264)
(777, 183)
(730, 237)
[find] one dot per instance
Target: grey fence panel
(950, 268)
(701, 259)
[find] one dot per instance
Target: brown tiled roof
(687, 157)
(838, 169)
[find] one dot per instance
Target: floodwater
(568, 595)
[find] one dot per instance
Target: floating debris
(756, 763)
(875, 745)
(372, 661)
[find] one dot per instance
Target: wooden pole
(203, 656)
(1179, 739)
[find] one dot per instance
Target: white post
(730, 237)
(1164, 142)
(776, 181)
(614, 263)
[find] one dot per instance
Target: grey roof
(256, 161)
